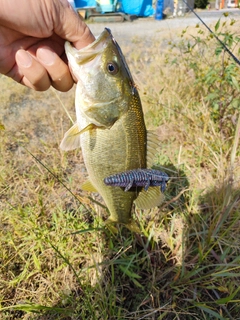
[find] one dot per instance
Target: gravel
(149, 27)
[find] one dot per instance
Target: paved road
(148, 27)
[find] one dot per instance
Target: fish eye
(112, 68)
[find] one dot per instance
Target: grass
(57, 261)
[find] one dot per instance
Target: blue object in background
(104, 6)
(159, 10)
(85, 3)
(141, 8)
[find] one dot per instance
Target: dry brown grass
(56, 260)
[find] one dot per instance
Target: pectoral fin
(87, 186)
(151, 198)
(71, 139)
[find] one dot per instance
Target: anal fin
(151, 198)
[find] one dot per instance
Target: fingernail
(46, 56)
(23, 58)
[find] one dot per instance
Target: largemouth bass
(110, 126)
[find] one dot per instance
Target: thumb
(69, 26)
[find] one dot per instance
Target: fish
(110, 127)
(138, 178)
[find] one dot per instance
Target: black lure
(138, 178)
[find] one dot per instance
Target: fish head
(104, 82)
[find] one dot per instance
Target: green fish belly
(118, 148)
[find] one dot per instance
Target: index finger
(71, 27)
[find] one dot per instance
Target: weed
(216, 82)
(56, 259)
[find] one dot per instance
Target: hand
(32, 37)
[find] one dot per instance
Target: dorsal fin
(152, 147)
(151, 198)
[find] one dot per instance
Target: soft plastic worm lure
(138, 178)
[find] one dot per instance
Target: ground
(57, 261)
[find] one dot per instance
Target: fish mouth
(89, 52)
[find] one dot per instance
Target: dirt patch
(149, 28)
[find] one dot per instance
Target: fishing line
(59, 180)
(215, 36)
